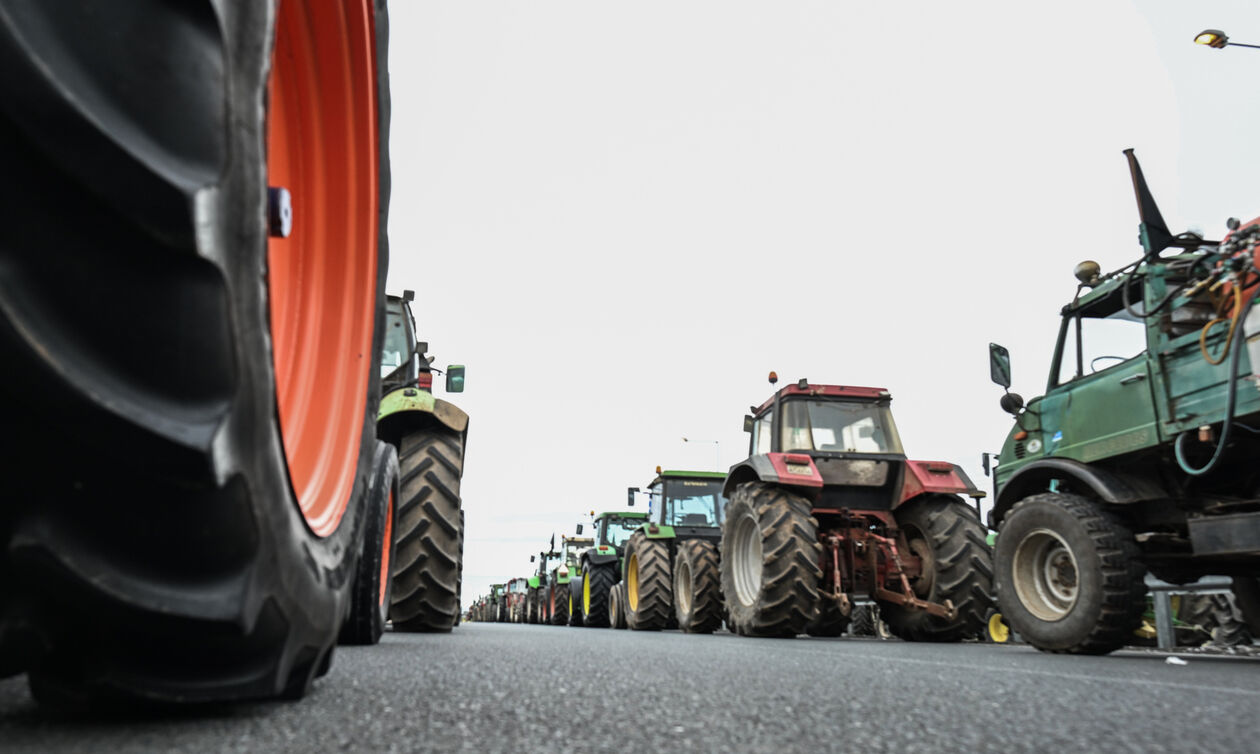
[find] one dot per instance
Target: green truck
(671, 575)
(1140, 456)
(600, 566)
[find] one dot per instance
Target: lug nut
(279, 212)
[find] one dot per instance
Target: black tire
(1215, 618)
(862, 620)
(595, 598)
(617, 605)
(1247, 599)
(459, 575)
(1108, 591)
(649, 588)
(697, 587)
(369, 597)
(949, 539)
(830, 621)
(151, 544)
(776, 592)
(560, 604)
(576, 617)
(427, 567)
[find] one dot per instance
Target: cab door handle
(1133, 378)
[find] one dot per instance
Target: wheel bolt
(279, 212)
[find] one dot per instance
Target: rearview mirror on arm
(455, 378)
(1000, 365)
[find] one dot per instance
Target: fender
(1112, 487)
(655, 531)
(410, 403)
(533, 582)
(773, 468)
(936, 477)
(595, 557)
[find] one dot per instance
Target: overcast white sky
(621, 216)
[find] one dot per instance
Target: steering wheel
(1093, 363)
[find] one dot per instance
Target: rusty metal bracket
(906, 596)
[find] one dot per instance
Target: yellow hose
(1229, 337)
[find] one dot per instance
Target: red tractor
(827, 509)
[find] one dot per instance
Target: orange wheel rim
(321, 280)
(386, 541)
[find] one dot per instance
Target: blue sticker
(1058, 436)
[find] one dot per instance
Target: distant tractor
(601, 566)
(498, 603)
(429, 434)
(1141, 454)
(559, 601)
(538, 599)
(671, 575)
(517, 593)
(827, 509)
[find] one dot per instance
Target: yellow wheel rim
(570, 603)
(632, 582)
(586, 593)
(998, 630)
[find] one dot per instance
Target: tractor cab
(404, 363)
(571, 550)
(838, 442)
(547, 561)
(689, 502)
(612, 529)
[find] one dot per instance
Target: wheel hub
(1045, 572)
(682, 585)
(746, 554)
(632, 582)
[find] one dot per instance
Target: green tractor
(496, 604)
(1140, 456)
(671, 575)
(600, 567)
(537, 599)
(429, 434)
(557, 599)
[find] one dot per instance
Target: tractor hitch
(848, 544)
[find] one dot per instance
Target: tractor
(538, 599)
(429, 434)
(1140, 456)
(495, 604)
(827, 509)
(600, 566)
(559, 602)
(517, 592)
(671, 575)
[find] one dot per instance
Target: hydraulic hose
(1231, 392)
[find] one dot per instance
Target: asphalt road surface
(491, 687)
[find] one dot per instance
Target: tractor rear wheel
(1069, 575)
(559, 604)
(369, 598)
(576, 618)
(1247, 598)
(957, 565)
(190, 405)
(697, 587)
(830, 621)
(427, 563)
(649, 591)
(862, 620)
(770, 555)
(596, 581)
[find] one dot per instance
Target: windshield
(694, 502)
(841, 426)
(398, 340)
(618, 530)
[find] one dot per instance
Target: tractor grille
(1019, 449)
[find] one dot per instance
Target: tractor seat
(694, 519)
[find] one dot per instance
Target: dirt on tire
(427, 560)
(781, 596)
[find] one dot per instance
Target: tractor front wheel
(1069, 575)
(369, 597)
(957, 565)
(427, 565)
(559, 604)
(697, 587)
(770, 555)
(648, 589)
(576, 617)
(596, 580)
(617, 605)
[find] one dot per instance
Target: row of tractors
(1137, 460)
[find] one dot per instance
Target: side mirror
(409, 295)
(455, 378)
(422, 347)
(630, 495)
(1000, 365)
(748, 423)
(531, 558)
(579, 529)
(1011, 403)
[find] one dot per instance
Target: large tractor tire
(1247, 598)
(617, 606)
(697, 587)
(1215, 619)
(190, 403)
(649, 589)
(559, 604)
(957, 565)
(830, 621)
(862, 620)
(770, 555)
(427, 564)
(576, 617)
(596, 581)
(1069, 575)
(369, 597)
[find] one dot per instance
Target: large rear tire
(617, 605)
(576, 618)
(596, 581)
(369, 597)
(697, 587)
(830, 621)
(947, 536)
(770, 554)
(216, 389)
(1069, 575)
(559, 604)
(1247, 598)
(649, 595)
(427, 565)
